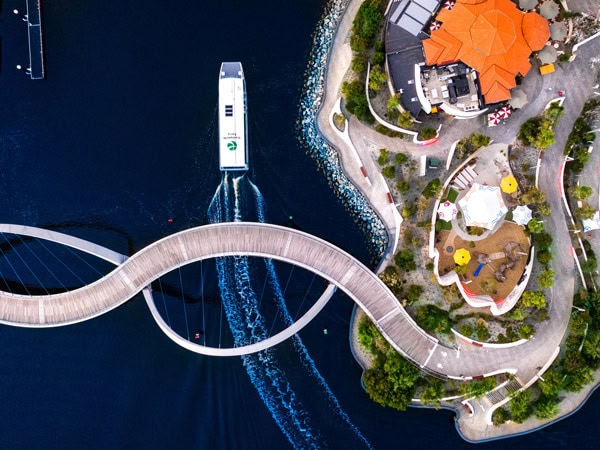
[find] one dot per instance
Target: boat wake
(237, 199)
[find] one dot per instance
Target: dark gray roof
(402, 70)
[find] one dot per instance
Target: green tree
(393, 102)
(405, 260)
(433, 188)
(403, 186)
(413, 293)
(389, 172)
(477, 388)
(433, 392)
(356, 101)
(533, 195)
(500, 416)
(359, 62)
(535, 299)
(366, 24)
(479, 140)
(574, 382)
(405, 120)
(401, 159)
(551, 383)
(434, 319)
(544, 209)
(520, 406)
(529, 130)
(378, 58)
(427, 133)
(368, 334)
(391, 381)
(544, 256)
(554, 112)
(591, 345)
(581, 192)
(535, 226)
(384, 156)
(546, 408)
(584, 212)
(543, 240)
(391, 278)
(525, 331)
(546, 279)
(377, 77)
(589, 265)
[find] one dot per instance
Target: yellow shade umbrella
(508, 184)
(462, 256)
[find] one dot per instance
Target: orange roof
(491, 36)
(496, 75)
(496, 93)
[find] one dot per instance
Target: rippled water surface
(120, 137)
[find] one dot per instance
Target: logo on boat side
(232, 145)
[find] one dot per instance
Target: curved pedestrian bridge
(135, 274)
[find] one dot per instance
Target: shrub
(466, 329)
(366, 24)
(391, 381)
(413, 293)
(386, 131)
(546, 408)
(384, 156)
(542, 240)
(477, 388)
(405, 120)
(389, 172)
(391, 278)
(546, 279)
(544, 256)
(432, 189)
(377, 77)
(403, 186)
(405, 260)
(520, 407)
(500, 416)
(525, 331)
(427, 133)
(356, 101)
(434, 319)
(534, 299)
(401, 159)
(481, 331)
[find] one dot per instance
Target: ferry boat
(233, 120)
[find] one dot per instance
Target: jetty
(36, 48)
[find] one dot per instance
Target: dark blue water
(118, 138)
